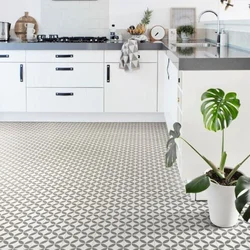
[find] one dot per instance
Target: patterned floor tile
(99, 186)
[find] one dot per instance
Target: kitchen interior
(89, 91)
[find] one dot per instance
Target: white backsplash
(75, 18)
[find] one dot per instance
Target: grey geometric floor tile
(99, 186)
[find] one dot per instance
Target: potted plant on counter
(185, 32)
(228, 189)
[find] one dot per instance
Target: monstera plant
(218, 110)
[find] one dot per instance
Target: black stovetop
(66, 39)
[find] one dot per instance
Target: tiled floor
(99, 186)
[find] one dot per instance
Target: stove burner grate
(65, 39)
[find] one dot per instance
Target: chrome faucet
(218, 23)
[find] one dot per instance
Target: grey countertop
(17, 45)
(188, 58)
(208, 58)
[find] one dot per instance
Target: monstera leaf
(198, 185)
(171, 154)
(242, 192)
(218, 109)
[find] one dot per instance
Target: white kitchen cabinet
(183, 90)
(65, 75)
(65, 100)
(171, 92)
(173, 100)
(134, 91)
(162, 67)
(12, 86)
(65, 81)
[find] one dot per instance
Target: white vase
(185, 37)
(221, 204)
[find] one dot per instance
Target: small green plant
(218, 110)
(147, 17)
(187, 29)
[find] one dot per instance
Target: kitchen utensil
(4, 31)
(23, 23)
(30, 31)
(30, 34)
(29, 25)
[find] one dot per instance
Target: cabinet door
(162, 67)
(170, 94)
(134, 91)
(12, 87)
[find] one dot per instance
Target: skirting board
(82, 117)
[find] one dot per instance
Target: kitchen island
(184, 79)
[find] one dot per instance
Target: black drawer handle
(64, 94)
(168, 69)
(4, 56)
(64, 69)
(64, 56)
(21, 72)
(108, 73)
(139, 56)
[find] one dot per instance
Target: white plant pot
(185, 36)
(221, 204)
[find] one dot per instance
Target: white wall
(94, 17)
(236, 18)
(11, 10)
(240, 11)
(128, 12)
(76, 18)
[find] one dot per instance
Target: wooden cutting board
(20, 28)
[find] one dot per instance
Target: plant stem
(223, 161)
(233, 182)
(223, 141)
(206, 160)
(214, 181)
(223, 153)
(228, 178)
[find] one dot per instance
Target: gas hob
(66, 39)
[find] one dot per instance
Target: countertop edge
(214, 64)
(75, 46)
(185, 64)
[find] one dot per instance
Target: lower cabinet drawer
(63, 75)
(12, 56)
(65, 100)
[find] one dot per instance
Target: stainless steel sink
(194, 44)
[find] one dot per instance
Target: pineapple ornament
(146, 18)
